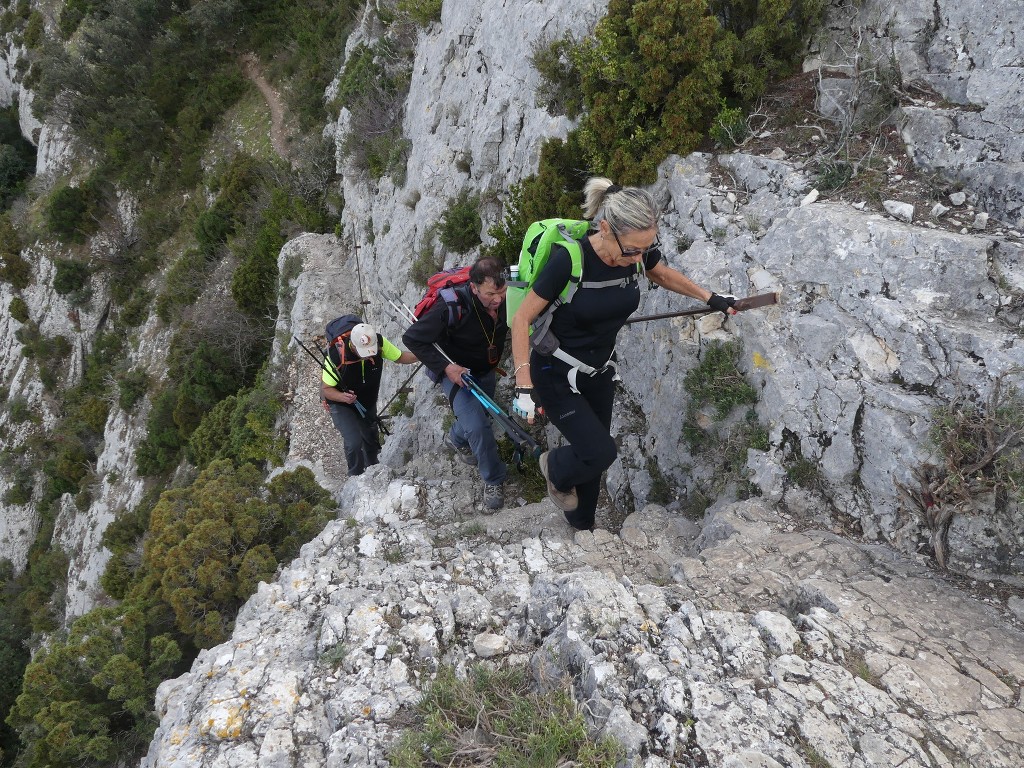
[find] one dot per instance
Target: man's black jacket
(467, 343)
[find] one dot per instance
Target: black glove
(721, 303)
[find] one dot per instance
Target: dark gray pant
(584, 420)
(359, 436)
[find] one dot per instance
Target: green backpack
(540, 237)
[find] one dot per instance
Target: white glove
(523, 406)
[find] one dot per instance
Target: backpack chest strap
(621, 282)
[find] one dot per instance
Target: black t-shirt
(587, 326)
(361, 375)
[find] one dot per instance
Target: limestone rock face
(744, 653)
(965, 64)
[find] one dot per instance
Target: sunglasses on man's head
(631, 252)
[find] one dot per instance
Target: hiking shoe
(494, 496)
(465, 454)
(565, 501)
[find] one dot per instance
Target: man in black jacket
(474, 341)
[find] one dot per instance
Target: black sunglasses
(631, 252)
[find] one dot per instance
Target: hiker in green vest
(570, 371)
(350, 383)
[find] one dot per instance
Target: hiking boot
(465, 454)
(564, 500)
(494, 496)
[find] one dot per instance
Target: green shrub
(241, 428)
(19, 409)
(71, 276)
(653, 74)
(375, 95)
(159, 451)
(555, 191)
(134, 311)
(423, 12)
(717, 380)
(729, 128)
(72, 14)
(212, 543)
(16, 271)
(559, 90)
(132, 387)
(18, 309)
(460, 224)
(34, 30)
(14, 652)
(71, 213)
(765, 40)
(185, 282)
(86, 700)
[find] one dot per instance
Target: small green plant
(71, 212)
(729, 128)
(494, 717)
(833, 176)
(858, 666)
(334, 656)
(423, 12)
(132, 387)
(135, 311)
(71, 276)
(427, 261)
(401, 405)
(717, 380)
(814, 757)
(18, 309)
(559, 90)
(529, 482)
(804, 473)
(460, 225)
(20, 410)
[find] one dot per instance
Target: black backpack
(338, 332)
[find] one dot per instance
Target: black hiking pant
(359, 435)
(584, 420)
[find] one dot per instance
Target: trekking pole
(402, 387)
(523, 440)
(741, 305)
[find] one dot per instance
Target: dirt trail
(278, 133)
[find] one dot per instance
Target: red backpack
(442, 286)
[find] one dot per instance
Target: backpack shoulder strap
(457, 301)
(575, 250)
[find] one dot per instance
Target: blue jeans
(472, 427)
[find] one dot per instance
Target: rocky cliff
(758, 636)
(755, 636)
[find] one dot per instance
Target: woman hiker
(575, 384)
